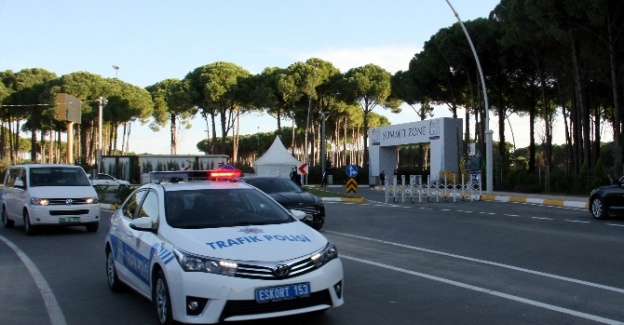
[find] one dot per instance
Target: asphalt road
(423, 263)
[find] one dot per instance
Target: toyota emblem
(69, 201)
(281, 270)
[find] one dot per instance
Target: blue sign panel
(352, 170)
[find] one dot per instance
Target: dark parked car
(291, 196)
(606, 200)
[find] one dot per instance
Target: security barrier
(434, 190)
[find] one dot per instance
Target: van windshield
(58, 176)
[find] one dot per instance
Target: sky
(150, 41)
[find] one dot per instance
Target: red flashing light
(224, 174)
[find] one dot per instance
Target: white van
(45, 195)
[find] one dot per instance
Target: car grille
(250, 307)
(69, 212)
(309, 209)
(74, 201)
(265, 271)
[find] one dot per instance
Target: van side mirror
(19, 183)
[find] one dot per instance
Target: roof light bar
(194, 175)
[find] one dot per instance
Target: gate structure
(444, 136)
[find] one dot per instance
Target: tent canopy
(277, 161)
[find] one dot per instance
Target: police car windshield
(213, 208)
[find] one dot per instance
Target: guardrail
(433, 190)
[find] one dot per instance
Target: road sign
(303, 169)
(69, 108)
(351, 185)
(352, 171)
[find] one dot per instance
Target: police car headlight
(193, 263)
(323, 257)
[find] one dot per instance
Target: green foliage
(101, 191)
(598, 176)
(122, 192)
(616, 170)
(119, 194)
(582, 182)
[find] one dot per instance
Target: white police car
(206, 252)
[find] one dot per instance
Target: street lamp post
(488, 133)
(102, 102)
(323, 150)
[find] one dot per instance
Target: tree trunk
(174, 134)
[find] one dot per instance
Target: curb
(521, 199)
(107, 206)
(344, 199)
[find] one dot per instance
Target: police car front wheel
(161, 299)
(111, 273)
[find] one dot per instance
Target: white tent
(277, 161)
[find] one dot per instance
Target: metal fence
(436, 190)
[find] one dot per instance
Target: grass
(322, 193)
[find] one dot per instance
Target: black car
(291, 196)
(607, 200)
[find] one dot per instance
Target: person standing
(293, 174)
(324, 179)
(382, 178)
(297, 178)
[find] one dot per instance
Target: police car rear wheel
(162, 301)
(8, 223)
(111, 273)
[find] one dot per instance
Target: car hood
(605, 187)
(287, 198)
(261, 243)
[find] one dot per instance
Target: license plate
(290, 291)
(70, 220)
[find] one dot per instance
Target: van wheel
(8, 223)
(28, 227)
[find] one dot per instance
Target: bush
(122, 192)
(119, 194)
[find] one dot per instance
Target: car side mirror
(143, 224)
(19, 183)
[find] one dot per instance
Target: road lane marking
(489, 291)
(505, 266)
(576, 221)
(54, 310)
(614, 225)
